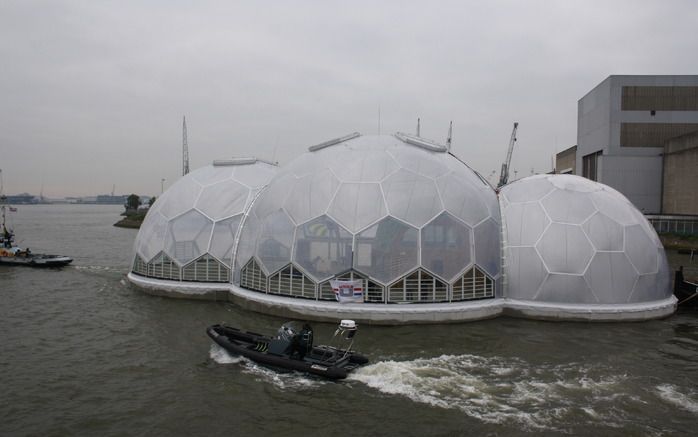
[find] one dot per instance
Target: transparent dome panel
(611, 277)
(223, 238)
(323, 248)
(565, 249)
(247, 244)
(527, 190)
(363, 166)
(311, 195)
(387, 250)
(604, 233)
(640, 249)
(525, 223)
(223, 199)
(525, 272)
(275, 241)
(151, 236)
(421, 162)
(180, 197)
(572, 183)
(613, 206)
(255, 176)
(210, 175)
(188, 236)
(487, 248)
(274, 196)
(446, 246)
(565, 289)
(462, 199)
(568, 207)
(411, 197)
(358, 205)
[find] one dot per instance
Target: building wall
(628, 119)
(566, 160)
(681, 176)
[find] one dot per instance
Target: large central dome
(398, 211)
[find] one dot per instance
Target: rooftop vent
(333, 142)
(421, 142)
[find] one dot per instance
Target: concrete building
(623, 126)
(566, 161)
(680, 181)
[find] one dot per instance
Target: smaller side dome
(192, 227)
(574, 241)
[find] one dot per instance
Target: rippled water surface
(84, 353)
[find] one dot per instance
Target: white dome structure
(428, 239)
(411, 220)
(575, 246)
(189, 233)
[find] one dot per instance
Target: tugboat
(292, 349)
(15, 255)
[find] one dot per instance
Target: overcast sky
(92, 93)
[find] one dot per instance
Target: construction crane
(185, 148)
(504, 175)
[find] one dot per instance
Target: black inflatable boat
(293, 349)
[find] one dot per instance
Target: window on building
(590, 165)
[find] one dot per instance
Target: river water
(82, 352)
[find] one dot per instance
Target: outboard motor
(282, 344)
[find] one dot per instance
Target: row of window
(418, 287)
(203, 269)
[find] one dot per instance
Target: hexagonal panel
(188, 236)
(363, 166)
(180, 197)
(614, 207)
(640, 249)
(568, 206)
(276, 193)
(210, 174)
(255, 176)
(223, 199)
(611, 277)
(604, 233)
(421, 162)
(565, 249)
(487, 249)
(151, 236)
(223, 238)
(275, 241)
(356, 206)
(572, 183)
(323, 248)
(527, 189)
(647, 288)
(446, 246)
(247, 244)
(387, 250)
(311, 196)
(565, 289)
(411, 197)
(525, 223)
(647, 226)
(462, 199)
(525, 272)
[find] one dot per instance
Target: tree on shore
(133, 201)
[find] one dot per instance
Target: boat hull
(36, 260)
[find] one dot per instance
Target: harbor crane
(504, 175)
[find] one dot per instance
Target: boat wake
(288, 380)
(672, 395)
(501, 390)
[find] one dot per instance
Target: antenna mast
(185, 148)
(418, 126)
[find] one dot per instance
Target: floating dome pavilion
(419, 228)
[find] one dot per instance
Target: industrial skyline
(93, 94)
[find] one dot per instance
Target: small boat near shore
(12, 254)
(686, 292)
(293, 349)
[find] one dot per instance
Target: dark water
(84, 353)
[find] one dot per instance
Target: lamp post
(162, 185)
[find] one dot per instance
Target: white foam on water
(288, 380)
(671, 394)
(495, 390)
